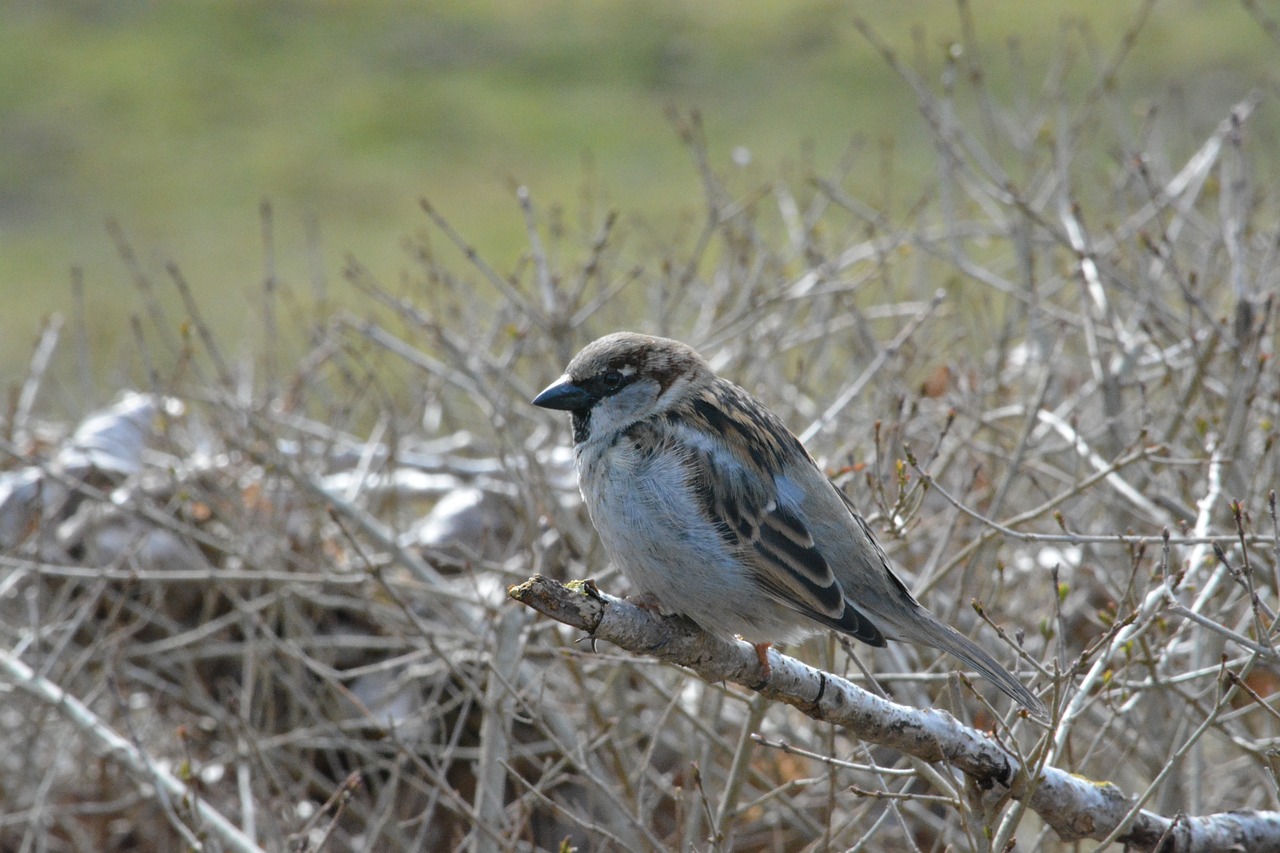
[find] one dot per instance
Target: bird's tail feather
(943, 637)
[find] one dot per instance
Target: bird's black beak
(564, 395)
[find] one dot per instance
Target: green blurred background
(178, 120)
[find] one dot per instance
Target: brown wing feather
(772, 540)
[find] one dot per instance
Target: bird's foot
(762, 655)
(645, 601)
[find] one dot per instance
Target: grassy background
(179, 120)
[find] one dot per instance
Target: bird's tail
(931, 632)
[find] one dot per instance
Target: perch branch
(1075, 807)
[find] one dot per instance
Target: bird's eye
(612, 379)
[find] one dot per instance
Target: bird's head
(622, 379)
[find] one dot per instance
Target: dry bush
(1047, 380)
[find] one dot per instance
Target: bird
(714, 509)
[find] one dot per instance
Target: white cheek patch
(672, 395)
(622, 409)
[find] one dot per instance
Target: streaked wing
(774, 542)
(870, 538)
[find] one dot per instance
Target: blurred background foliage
(177, 121)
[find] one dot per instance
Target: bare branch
(120, 749)
(1075, 807)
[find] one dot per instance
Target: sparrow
(713, 508)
